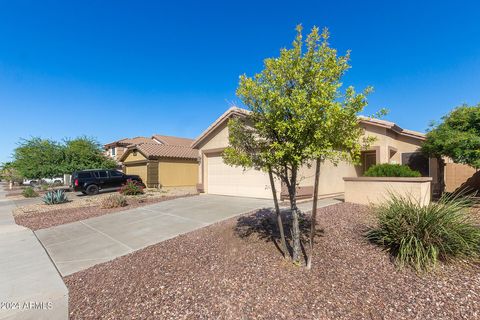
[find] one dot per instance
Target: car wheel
(92, 189)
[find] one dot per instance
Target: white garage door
(233, 181)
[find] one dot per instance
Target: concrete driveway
(79, 245)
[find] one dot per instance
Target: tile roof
(236, 111)
(173, 141)
(156, 150)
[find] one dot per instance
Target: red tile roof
(173, 141)
(156, 150)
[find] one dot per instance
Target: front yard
(39, 216)
(226, 271)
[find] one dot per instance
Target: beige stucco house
(161, 161)
(393, 144)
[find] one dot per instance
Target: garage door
(139, 170)
(233, 181)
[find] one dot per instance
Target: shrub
(55, 197)
(391, 170)
(113, 201)
(421, 236)
(29, 192)
(131, 187)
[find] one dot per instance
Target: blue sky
(114, 69)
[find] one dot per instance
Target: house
(116, 149)
(393, 144)
(161, 161)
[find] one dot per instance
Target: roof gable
(242, 112)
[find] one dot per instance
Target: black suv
(92, 181)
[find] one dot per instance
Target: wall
(134, 156)
(373, 190)
(138, 169)
(458, 176)
(177, 173)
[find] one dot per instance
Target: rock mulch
(64, 214)
(220, 273)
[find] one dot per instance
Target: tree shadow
(263, 224)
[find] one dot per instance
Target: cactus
(55, 197)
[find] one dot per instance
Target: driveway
(79, 245)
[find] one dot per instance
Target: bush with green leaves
(29, 192)
(391, 170)
(114, 201)
(131, 188)
(55, 197)
(420, 236)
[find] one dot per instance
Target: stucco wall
(373, 190)
(331, 176)
(138, 169)
(178, 173)
(134, 156)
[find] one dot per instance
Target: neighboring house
(116, 149)
(162, 161)
(392, 145)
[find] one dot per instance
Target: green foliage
(9, 173)
(421, 236)
(391, 170)
(38, 158)
(131, 188)
(114, 201)
(55, 197)
(85, 153)
(297, 113)
(457, 136)
(29, 192)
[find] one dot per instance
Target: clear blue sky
(114, 69)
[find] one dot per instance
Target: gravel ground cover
(61, 214)
(232, 270)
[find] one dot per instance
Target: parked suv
(92, 181)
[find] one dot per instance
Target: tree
(457, 136)
(297, 114)
(85, 153)
(38, 158)
(9, 173)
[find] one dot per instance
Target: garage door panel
(140, 170)
(234, 181)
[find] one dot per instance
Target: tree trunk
(292, 193)
(279, 216)
(314, 213)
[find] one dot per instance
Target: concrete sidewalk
(79, 245)
(31, 287)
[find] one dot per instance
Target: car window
(114, 173)
(84, 175)
(101, 174)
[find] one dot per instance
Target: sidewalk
(31, 287)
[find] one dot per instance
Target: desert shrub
(391, 170)
(29, 192)
(420, 236)
(113, 201)
(55, 197)
(131, 187)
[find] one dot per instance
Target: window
(101, 174)
(416, 161)
(114, 173)
(84, 175)
(113, 151)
